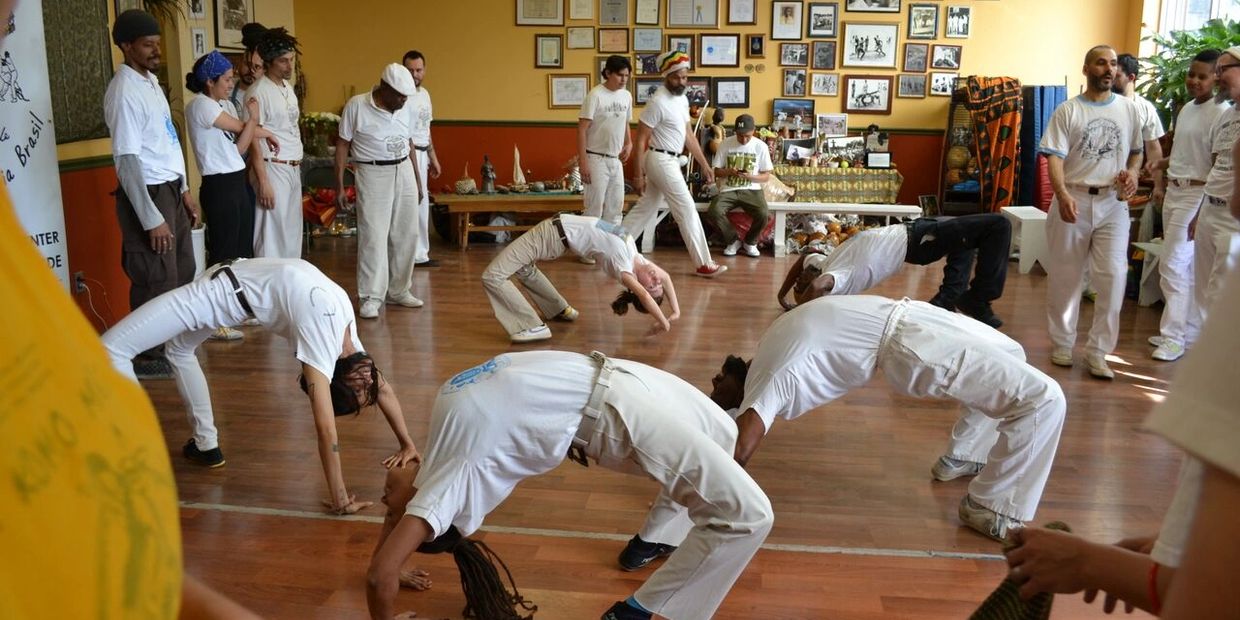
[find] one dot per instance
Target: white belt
(594, 409)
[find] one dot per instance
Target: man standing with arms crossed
(663, 133)
(1093, 149)
(154, 207)
(604, 142)
(277, 226)
(418, 109)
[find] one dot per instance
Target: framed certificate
(534, 12)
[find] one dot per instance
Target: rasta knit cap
(673, 61)
(132, 25)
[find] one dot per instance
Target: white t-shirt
(1151, 125)
(215, 148)
(603, 241)
(240, 95)
(609, 112)
(667, 116)
(418, 109)
(1223, 135)
(753, 157)
(1178, 520)
(1094, 139)
(867, 259)
(279, 113)
(814, 354)
(140, 122)
(376, 134)
(294, 299)
(1190, 155)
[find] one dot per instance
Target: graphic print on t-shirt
(329, 310)
(395, 146)
(477, 374)
(1228, 131)
(609, 227)
(1100, 140)
(744, 161)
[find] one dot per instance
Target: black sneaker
(979, 310)
(940, 301)
(623, 611)
(430, 262)
(638, 553)
(152, 368)
(207, 458)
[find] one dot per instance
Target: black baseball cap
(744, 122)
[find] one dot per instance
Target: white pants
(1181, 317)
(665, 184)
(1218, 248)
(1099, 235)
(387, 205)
(277, 231)
(520, 259)
(422, 246)
(728, 514)
(604, 194)
(1012, 412)
(183, 317)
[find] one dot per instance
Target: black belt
(1216, 201)
(666, 151)
(232, 277)
(382, 162)
(422, 148)
(1093, 190)
(605, 154)
(559, 228)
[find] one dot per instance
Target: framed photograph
(198, 42)
(874, 6)
(959, 21)
(793, 112)
(929, 204)
(719, 50)
(548, 51)
(942, 84)
(680, 43)
(581, 9)
(794, 82)
(742, 12)
(230, 16)
(567, 90)
(831, 125)
(916, 56)
(911, 85)
(692, 13)
(757, 46)
(731, 92)
(581, 38)
(644, 88)
(787, 20)
(125, 5)
(794, 54)
(647, 39)
(867, 94)
(613, 40)
(824, 55)
(823, 20)
(198, 9)
(945, 57)
(647, 12)
(824, 84)
(870, 45)
(851, 149)
(800, 148)
(529, 12)
(613, 12)
(697, 90)
(646, 64)
(923, 21)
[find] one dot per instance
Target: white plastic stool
(1028, 234)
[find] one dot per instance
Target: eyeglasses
(1221, 69)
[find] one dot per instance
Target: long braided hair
(486, 594)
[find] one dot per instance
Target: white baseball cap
(399, 78)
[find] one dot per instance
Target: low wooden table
(466, 205)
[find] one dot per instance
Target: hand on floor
(416, 579)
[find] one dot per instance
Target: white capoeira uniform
(1186, 175)
(1218, 233)
(1095, 141)
(387, 198)
(419, 112)
(518, 414)
(865, 260)
(609, 112)
(587, 237)
(287, 295)
(667, 116)
(277, 231)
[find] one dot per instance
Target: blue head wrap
(212, 67)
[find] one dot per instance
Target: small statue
(488, 175)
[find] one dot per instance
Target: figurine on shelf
(488, 175)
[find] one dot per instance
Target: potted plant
(1163, 82)
(318, 132)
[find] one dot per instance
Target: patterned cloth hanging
(995, 106)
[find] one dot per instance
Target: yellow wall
(481, 65)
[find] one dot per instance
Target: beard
(677, 90)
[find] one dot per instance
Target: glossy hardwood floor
(860, 532)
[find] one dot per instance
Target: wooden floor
(860, 530)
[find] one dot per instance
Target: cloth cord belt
(422, 148)
(1186, 182)
(559, 228)
(232, 277)
(590, 415)
(1218, 202)
(382, 162)
(666, 151)
(605, 154)
(292, 162)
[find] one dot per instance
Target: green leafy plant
(1163, 73)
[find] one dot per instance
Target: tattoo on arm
(335, 448)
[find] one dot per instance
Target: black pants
(988, 235)
(225, 204)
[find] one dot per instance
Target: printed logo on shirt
(1100, 141)
(741, 160)
(1227, 133)
(172, 131)
(614, 229)
(396, 146)
(477, 374)
(615, 109)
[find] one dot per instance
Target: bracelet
(1155, 604)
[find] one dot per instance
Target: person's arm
(1205, 584)
(390, 406)
(627, 148)
(341, 502)
(340, 163)
(200, 602)
(244, 130)
(639, 173)
(1129, 175)
(1067, 204)
(1153, 153)
(1234, 202)
(761, 177)
(583, 130)
(750, 429)
(669, 292)
(652, 307)
(383, 576)
(695, 150)
(825, 283)
(789, 281)
(434, 170)
(129, 173)
(266, 194)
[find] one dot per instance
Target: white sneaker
(1062, 356)
(407, 300)
(732, 248)
(986, 521)
(1168, 351)
(369, 309)
(948, 468)
(585, 260)
(542, 332)
(1098, 366)
(1155, 341)
(226, 334)
(251, 322)
(751, 250)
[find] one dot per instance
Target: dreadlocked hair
(626, 298)
(486, 595)
(276, 42)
